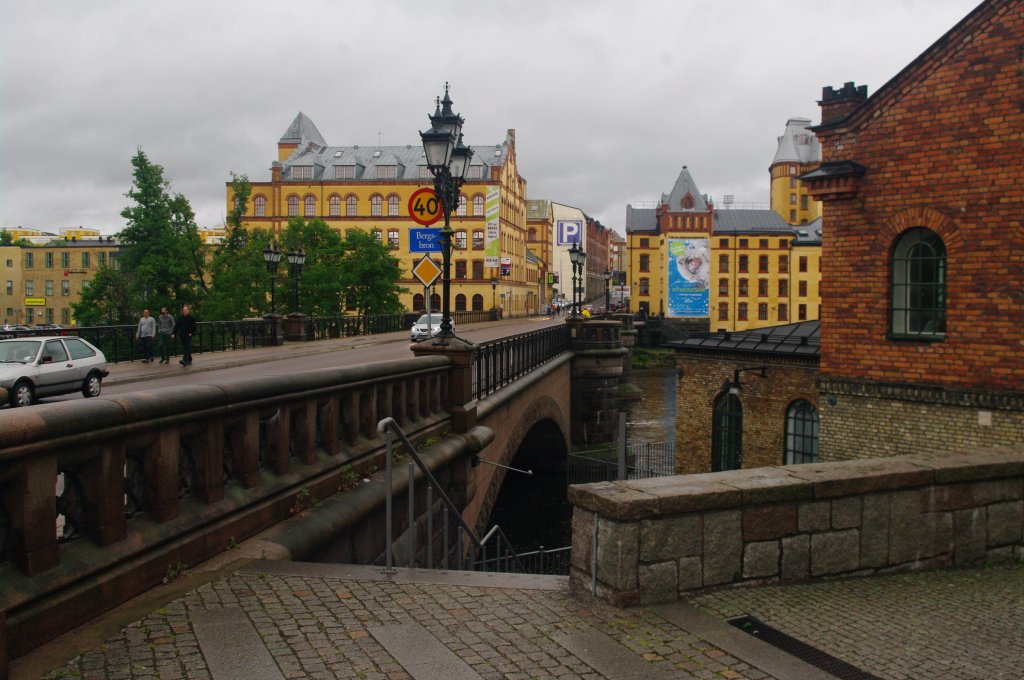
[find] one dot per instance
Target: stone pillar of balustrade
(459, 399)
(596, 369)
(274, 330)
(32, 543)
(627, 390)
(295, 327)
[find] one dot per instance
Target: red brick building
(923, 253)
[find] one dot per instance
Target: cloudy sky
(608, 98)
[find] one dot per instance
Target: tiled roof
(808, 234)
(641, 219)
(794, 339)
(750, 221)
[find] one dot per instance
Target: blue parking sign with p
(569, 231)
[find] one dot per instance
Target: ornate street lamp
(607, 292)
(448, 160)
(295, 260)
(272, 256)
(494, 287)
(577, 257)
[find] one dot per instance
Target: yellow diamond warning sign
(427, 271)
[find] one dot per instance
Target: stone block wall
(656, 539)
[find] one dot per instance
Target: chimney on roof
(837, 105)
(275, 171)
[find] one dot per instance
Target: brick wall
(765, 400)
(942, 143)
(657, 539)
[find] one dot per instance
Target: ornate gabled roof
(302, 131)
(798, 144)
(684, 186)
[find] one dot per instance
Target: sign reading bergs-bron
(689, 272)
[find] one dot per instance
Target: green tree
(369, 275)
(321, 293)
(109, 299)
(239, 278)
(5, 238)
(162, 254)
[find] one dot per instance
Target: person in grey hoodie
(145, 334)
(164, 328)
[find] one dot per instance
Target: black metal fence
(499, 362)
(642, 462)
(118, 343)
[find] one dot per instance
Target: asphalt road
(220, 367)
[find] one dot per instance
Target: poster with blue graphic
(689, 272)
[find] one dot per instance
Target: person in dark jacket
(184, 329)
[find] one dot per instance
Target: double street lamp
(296, 259)
(578, 258)
(607, 293)
(272, 257)
(448, 160)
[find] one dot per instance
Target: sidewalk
(265, 619)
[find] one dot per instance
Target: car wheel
(22, 394)
(92, 385)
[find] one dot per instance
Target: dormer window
(344, 172)
(302, 172)
(687, 202)
(387, 171)
(476, 172)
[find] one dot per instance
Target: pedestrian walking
(164, 329)
(145, 333)
(184, 329)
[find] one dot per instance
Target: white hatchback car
(428, 326)
(46, 366)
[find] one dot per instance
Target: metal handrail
(389, 427)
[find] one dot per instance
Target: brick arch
(921, 216)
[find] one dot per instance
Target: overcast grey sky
(608, 98)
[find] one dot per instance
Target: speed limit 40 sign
(424, 208)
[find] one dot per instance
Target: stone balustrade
(99, 498)
(652, 540)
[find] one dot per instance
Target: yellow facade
(789, 197)
(751, 281)
(41, 283)
(381, 206)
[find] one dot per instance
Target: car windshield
(18, 351)
(433, 319)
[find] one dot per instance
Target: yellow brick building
(39, 284)
(369, 187)
(720, 270)
(798, 152)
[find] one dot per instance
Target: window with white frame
(334, 205)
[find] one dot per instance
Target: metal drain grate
(801, 650)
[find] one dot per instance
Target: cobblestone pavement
(939, 625)
(963, 625)
(320, 627)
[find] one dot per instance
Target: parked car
(420, 330)
(47, 366)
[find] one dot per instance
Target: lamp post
(607, 292)
(447, 159)
(494, 288)
(577, 257)
(272, 256)
(296, 258)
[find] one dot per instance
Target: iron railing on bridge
(499, 362)
(118, 343)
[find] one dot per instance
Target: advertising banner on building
(689, 273)
(492, 237)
